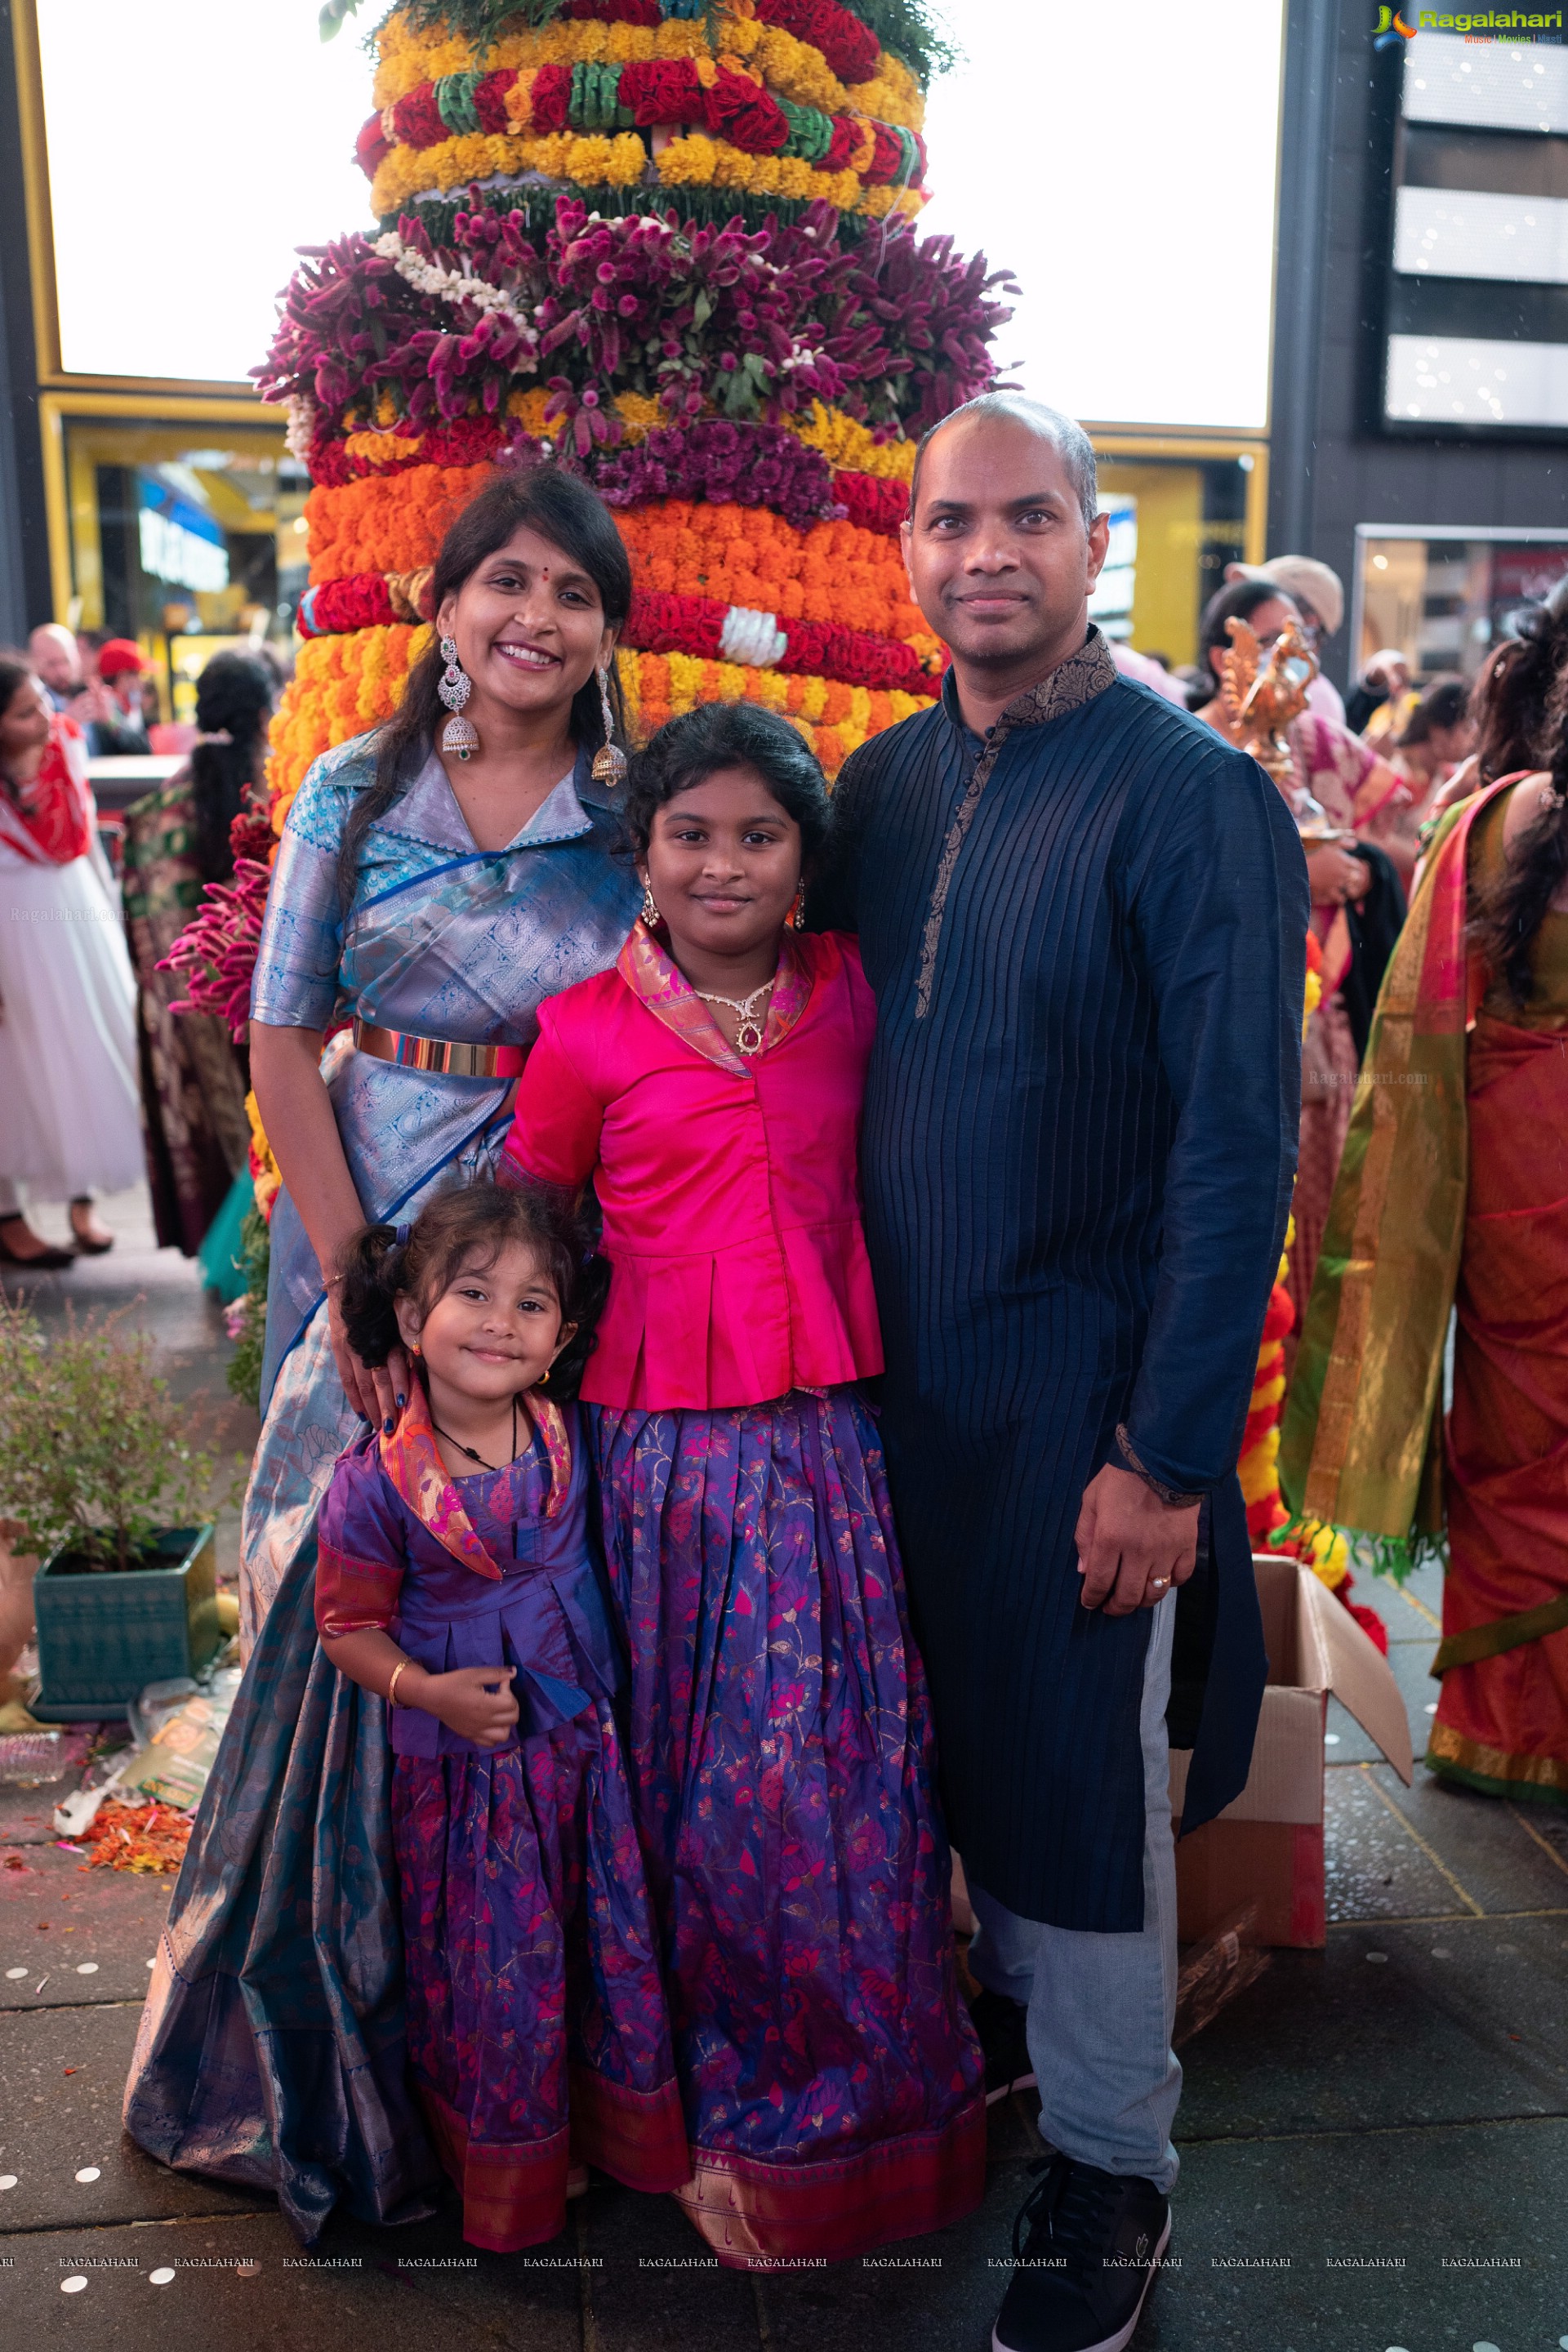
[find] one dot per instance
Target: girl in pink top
(779, 1738)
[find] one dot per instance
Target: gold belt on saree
(445, 1056)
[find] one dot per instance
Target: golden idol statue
(1261, 697)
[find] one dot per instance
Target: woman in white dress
(71, 1123)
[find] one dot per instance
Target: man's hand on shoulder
(1132, 1548)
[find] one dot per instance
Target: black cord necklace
(468, 1452)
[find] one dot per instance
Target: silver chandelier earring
(459, 735)
(609, 761)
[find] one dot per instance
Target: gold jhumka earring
(609, 759)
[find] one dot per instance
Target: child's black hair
(686, 750)
(471, 1227)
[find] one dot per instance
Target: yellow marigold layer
(790, 68)
(842, 440)
(833, 720)
(341, 686)
(845, 441)
(595, 161)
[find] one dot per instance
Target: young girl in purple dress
(779, 1732)
(456, 1581)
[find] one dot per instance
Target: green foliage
(912, 30)
(479, 21)
(247, 1316)
(94, 1452)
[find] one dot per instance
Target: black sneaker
(1094, 2242)
(1000, 2023)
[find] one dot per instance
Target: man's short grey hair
(1070, 442)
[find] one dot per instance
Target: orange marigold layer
(737, 555)
(751, 556)
(388, 522)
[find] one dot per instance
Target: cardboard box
(1266, 1849)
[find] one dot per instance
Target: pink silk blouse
(728, 1184)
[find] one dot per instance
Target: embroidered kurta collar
(1067, 688)
(650, 972)
(412, 1460)
(1077, 680)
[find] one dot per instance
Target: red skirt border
(755, 2216)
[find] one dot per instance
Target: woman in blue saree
(436, 881)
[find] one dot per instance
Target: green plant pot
(104, 1634)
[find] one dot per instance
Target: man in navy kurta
(1084, 918)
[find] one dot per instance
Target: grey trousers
(1102, 2007)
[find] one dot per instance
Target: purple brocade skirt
(536, 2025)
(366, 1954)
(780, 1753)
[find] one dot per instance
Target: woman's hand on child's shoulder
(477, 1702)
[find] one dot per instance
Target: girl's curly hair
(470, 1228)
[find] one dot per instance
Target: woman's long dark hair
(1508, 701)
(562, 508)
(1511, 913)
(234, 697)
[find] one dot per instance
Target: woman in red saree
(1453, 1192)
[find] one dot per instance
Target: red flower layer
(372, 148)
(1280, 1316)
(659, 624)
(466, 441)
(873, 502)
(850, 47)
(550, 98)
(363, 600)
(615, 12)
(665, 89)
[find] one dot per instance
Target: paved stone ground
(1374, 2138)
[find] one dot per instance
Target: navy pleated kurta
(1086, 934)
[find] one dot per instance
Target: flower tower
(669, 244)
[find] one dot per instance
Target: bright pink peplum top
(728, 1183)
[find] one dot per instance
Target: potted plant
(98, 1471)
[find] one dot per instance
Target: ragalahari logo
(1508, 24)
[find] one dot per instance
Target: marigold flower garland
(742, 370)
(720, 98)
(794, 68)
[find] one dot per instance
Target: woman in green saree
(1453, 1193)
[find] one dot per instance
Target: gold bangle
(401, 1667)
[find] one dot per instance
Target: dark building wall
(1329, 467)
(25, 594)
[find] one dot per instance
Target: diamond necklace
(749, 1034)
